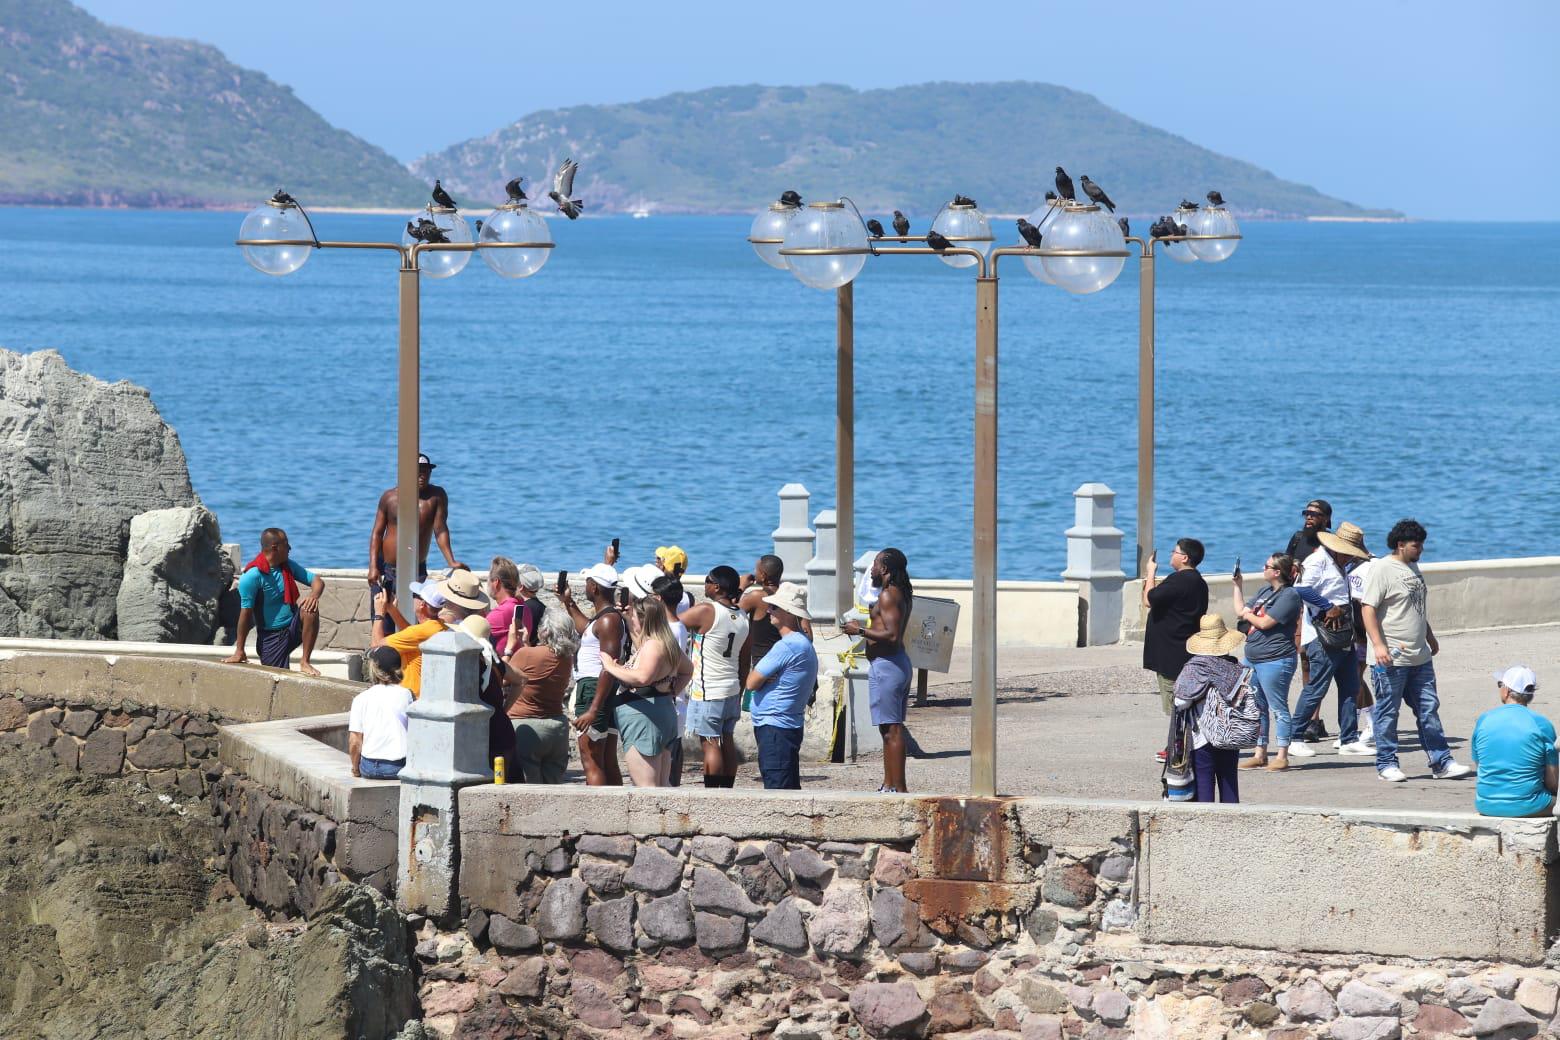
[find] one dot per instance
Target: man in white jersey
(720, 631)
(602, 630)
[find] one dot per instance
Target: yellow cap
(672, 558)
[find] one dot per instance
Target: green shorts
(647, 724)
(584, 692)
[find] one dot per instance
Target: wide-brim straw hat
(1349, 540)
(1213, 638)
(789, 597)
(463, 589)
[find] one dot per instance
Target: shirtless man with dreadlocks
(888, 666)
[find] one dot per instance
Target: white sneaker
(1359, 747)
(1392, 775)
(1299, 750)
(1367, 731)
(1451, 771)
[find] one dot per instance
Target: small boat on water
(641, 214)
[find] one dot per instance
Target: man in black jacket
(1175, 606)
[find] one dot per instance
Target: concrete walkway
(1085, 723)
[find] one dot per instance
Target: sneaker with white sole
(1359, 747)
(1451, 771)
(1392, 775)
(1298, 750)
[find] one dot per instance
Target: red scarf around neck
(289, 583)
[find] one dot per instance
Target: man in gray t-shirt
(1393, 602)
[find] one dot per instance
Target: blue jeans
(1327, 665)
(380, 769)
(779, 757)
(1272, 681)
(1413, 685)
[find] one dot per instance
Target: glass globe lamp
(1041, 218)
(965, 226)
(1181, 252)
(440, 263)
(1087, 229)
(513, 224)
(1213, 220)
(276, 221)
(768, 234)
(826, 225)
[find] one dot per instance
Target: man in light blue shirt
(1514, 748)
(782, 684)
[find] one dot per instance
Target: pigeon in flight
(790, 200)
(901, 224)
(1030, 233)
(1097, 194)
(963, 200)
(441, 197)
(875, 228)
(1215, 198)
(514, 191)
(563, 188)
(1188, 204)
(1126, 227)
(425, 230)
(1064, 186)
(937, 241)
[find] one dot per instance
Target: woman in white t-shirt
(376, 728)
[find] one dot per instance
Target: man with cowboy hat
(1514, 748)
(782, 684)
(1324, 586)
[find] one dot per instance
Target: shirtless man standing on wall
(888, 665)
(433, 509)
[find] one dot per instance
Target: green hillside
(94, 115)
(733, 148)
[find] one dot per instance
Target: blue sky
(1441, 109)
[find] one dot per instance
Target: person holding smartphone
(1174, 609)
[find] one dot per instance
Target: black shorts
(277, 644)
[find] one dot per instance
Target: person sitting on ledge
(376, 727)
(288, 620)
(1514, 748)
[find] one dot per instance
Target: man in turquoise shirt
(288, 618)
(1514, 748)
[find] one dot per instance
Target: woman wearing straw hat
(1272, 615)
(1212, 667)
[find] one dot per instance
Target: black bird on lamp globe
(281, 198)
(1164, 227)
(563, 188)
(425, 230)
(1188, 204)
(441, 197)
(963, 200)
(514, 191)
(1126, 227)
(901, 224)
(875, 228)
(1097, 194)
(790, 200)
(937, 241)
(1215, 198)
(1064, 186)
(1029, 233)
(1050, 196)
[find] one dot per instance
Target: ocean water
(656, 382)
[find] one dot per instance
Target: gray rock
(526, 979)
(840, 926)
(774, 852)
(1464, 992)
(654, 871)
(616, 846)
(919, 963)
(1041, 997)
(965, 961)
(1362, 1001)
(1308, 1002)
(894, 918)
(41, 731)
(1376, 1028)
(1119, 916)
(888, 1008)
(714, 892)
(79, 723)
(717, 934)
(175, 575)
(750, 854)
(67, 752)
(1068, 884)
(716, 849)
(1112, 1006)
(561, 915)
(159, 749)
(809, 868)
(1117, 868)
(668, 919)
(1500, 1016)
(477, 925)
(672, 845)
(604, 877)
(104, 752)
(759, 880)
(783, 928)
(841, 848)
(137, 729)
(558, 861)
(507, 936)
(81, 458)
(612, 923)
(1041, 924)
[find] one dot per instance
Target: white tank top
(587, 659)
(715, 671)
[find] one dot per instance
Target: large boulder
(174, 578)
(79, 458)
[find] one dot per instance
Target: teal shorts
(647, 724)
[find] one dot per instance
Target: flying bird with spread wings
(563, 190)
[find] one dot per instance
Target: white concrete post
(793, 538)
(822, 583)
(1094, 562)
(446, 749)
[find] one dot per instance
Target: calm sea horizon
(657, 383)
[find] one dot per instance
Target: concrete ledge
(333, 663)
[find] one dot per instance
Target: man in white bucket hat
(782, 684)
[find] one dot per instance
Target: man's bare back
(432, 522)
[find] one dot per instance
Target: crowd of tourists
(1345, 620)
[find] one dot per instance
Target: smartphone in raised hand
(563, 583)
(1236, 573)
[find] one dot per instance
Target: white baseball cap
(428, 592)
(639, 580)
(1518, 678)
(603, 574)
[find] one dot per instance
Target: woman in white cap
(1211, 671)
(645, 706)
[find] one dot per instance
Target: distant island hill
(102, 116)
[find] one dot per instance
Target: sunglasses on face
(1312, 512)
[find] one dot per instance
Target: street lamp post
(277, 238)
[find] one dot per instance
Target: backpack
(1232, 720)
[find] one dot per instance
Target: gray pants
(541, 750)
